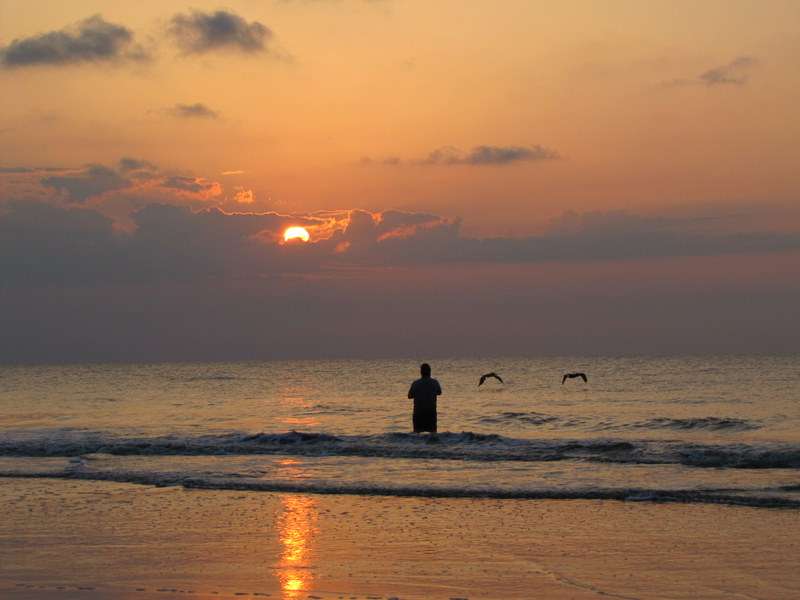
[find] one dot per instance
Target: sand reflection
(297, 529)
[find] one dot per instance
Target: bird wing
(483, 378)
(584, 377)
(563, 379)
(496, 376)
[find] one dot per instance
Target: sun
(294, 233)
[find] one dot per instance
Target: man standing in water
(424, 391)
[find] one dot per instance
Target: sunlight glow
(296, 531)
(295, 233)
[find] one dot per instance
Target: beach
(66, 539)
(296, 480)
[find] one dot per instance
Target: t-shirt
(424, 391)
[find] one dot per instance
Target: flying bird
(483, 378)
(572, 375)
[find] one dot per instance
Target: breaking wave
(464, 446)
(193, 462)
(765, 498)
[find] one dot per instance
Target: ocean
(673, 429)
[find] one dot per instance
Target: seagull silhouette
(571, 375)
(483, 378)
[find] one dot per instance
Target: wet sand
(65, 540)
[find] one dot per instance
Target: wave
(201, 378)
(703, 423)
(530, 418)
(779, 497)
(154, 461)
(715, 424)
(465, 446)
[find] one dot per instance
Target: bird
(483, 378)
(571, 375)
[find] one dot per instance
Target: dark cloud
(392, 221)
(20, 170)
(42, 243)
(618, 235)
(134, 165)
(132, 184)
(391, 161)
(93, 181)
(45, 244)
(479, 155)
(92, 40)
(177, 244)
(488, 155)
(159, 234)
(193, 185)
(604, 223)
(733, 73)
(494, 155)
(190, 111)
(199, 32)
(368, 239)
(209, 285)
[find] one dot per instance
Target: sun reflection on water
(297, 405)
(296, 529)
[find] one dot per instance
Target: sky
(477, 178)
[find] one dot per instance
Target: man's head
(425, 370)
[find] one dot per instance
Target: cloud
(45, 244)
(195, 186)
(18, 170)
(141, 170)
(478, 156)
(494, 155)
(603, 223)
(733, 73)
(117, 190)
(488, 155)
(193, 111)
(176, 243)
(93, 40)
(42, 243)
(150, 226)
(243, 196)
(199, 32)
(94, 180)
(134, 164)
(391, 161)
(366, 238)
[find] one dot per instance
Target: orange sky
(517, 133)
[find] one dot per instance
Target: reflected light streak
(297, 526)
(290, 469)
(294, 404)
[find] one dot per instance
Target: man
(424, 391)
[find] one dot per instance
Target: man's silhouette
(424, 392)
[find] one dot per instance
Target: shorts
(424, 422)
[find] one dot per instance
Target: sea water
(722, 429)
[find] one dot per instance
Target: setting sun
(294, 233)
